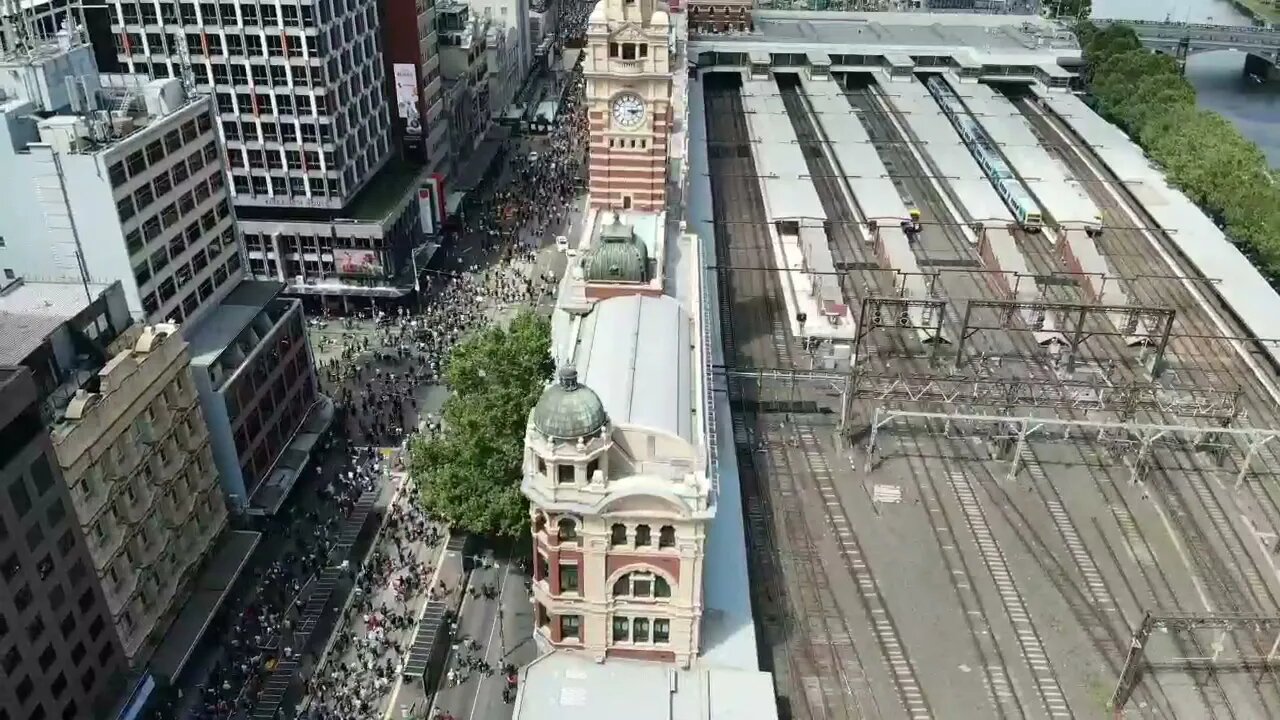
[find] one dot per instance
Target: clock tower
(628, 94)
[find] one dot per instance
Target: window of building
(640, 630)
(643, 538)
(569, 577)
(70, 711)
(86, 600)
(592, 467)
(68, 624)
(621, 629)
(95, 627)
(666, 536)
(77, 653)
(24, 689)
(570, 627)
(565, 474)
(47, 657)
(57, 597)
(11, 660)
(642, 585)
(618, 534)
(59, 684)
(566, 530)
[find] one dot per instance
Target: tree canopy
(1201, 152)
(469, 474)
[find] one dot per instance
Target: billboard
(430, 205)
(357, 262)
(405, 77)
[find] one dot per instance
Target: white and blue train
(1010, 189)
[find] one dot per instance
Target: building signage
(406, 82)
(357, 262)
(430, 205)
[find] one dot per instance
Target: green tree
(470, 473)
(1199, 151)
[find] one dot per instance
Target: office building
(256, 379)
(57, 657)
(301, 100)
(509, 48)
(131, 448)
(464, 64)
(113, 177)
(412, 51)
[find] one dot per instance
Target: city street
(502, 627)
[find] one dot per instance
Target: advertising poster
(357, 262)
(406, 82)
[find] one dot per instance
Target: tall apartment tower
(300, 96)
(628, 73)
(57, 657)
(298, 86)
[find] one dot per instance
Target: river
(1220, 84)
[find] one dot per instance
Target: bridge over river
(1184, 39)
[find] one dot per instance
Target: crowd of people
(377, 371)
(373, 640)
(254, 634)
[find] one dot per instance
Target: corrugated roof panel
(1048, 179)
(946, 151)
(855, 156)
(788, 190)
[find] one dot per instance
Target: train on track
(1011, 190)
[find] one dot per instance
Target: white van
(562, 243)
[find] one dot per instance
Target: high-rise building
(57, 657)
(412, 51)
(301, 100)
(129, 443)
(628, 73)
(107, 177)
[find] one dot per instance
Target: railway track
(1235, 581)
(812, 641)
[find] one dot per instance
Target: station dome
(619, 256)
(569, 410)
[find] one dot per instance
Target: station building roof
(856, 156)
(944, 148)
(788, 189)
(564, 685)
(984, 39)
(1045, 176)
(634, 352)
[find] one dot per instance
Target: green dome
(567, 410)
(619, 256)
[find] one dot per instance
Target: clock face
(628, 110)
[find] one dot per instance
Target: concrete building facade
(464, 63)
(114, 177)
(628, 72)
(301, 98)
(256, 379)
(412, 53)
(58, 658)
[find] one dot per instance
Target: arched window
(566, 530)
(642, 536)
(642, 585)
(618, 534)
(667, 537)
(539, 522)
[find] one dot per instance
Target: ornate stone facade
(620, 515)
